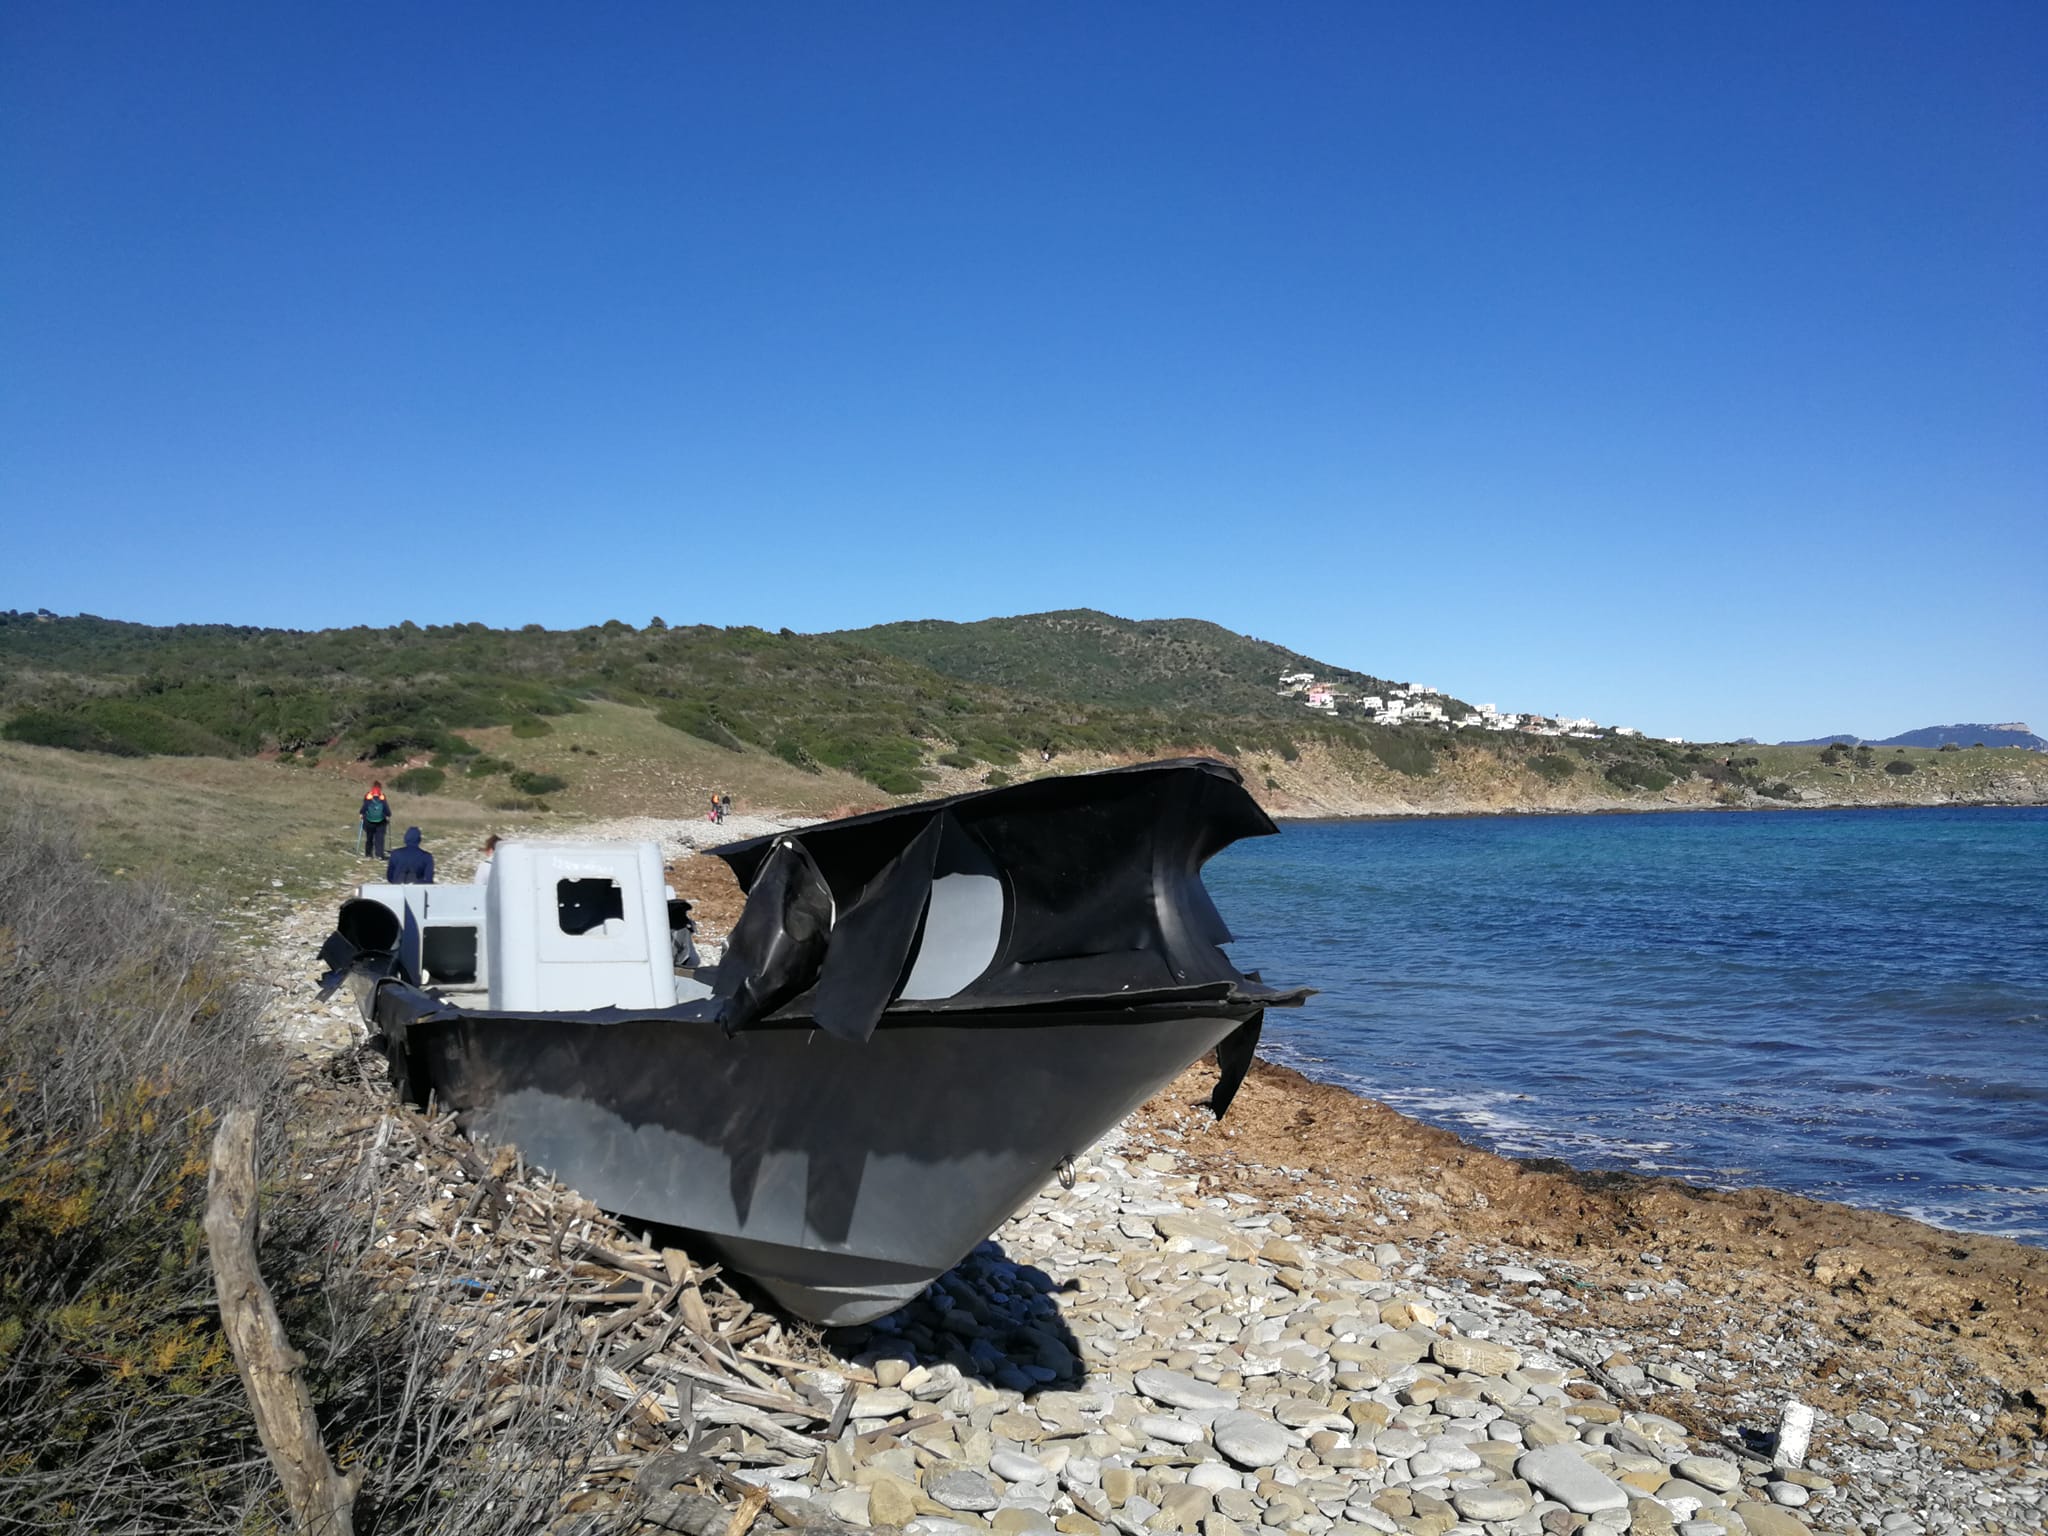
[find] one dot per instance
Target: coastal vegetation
(531, 721)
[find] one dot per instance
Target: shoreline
(1900, 1310)
(1501, 813)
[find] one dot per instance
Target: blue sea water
(1849, 1004)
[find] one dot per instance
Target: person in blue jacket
(412, 864)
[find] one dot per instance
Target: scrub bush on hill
(1403, 751)
(118, 727)
(537, 783)
(73, 732)
(1553, 768)
(1899, 766)
(707, 722)
(420, 781)
(1629, 774)
(792, 751)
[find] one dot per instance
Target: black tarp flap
(778, 945)
(1233, 1060)
(870, 946)
(1101, 889)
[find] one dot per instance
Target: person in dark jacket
(376, 815)
(412, 864)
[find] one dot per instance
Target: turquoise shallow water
(1849, 1004)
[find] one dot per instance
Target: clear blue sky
(1685, 366)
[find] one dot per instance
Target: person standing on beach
(376, 817)
(412, 864)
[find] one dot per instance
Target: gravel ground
(1204, 1337)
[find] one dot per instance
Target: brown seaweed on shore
(1892, 1316)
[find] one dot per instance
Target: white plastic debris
(1795, 1433)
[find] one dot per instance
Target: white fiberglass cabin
(556, 928)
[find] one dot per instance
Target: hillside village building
(1413, 704)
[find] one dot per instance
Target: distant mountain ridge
(2014, 733)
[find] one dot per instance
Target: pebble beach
(1318, 1316)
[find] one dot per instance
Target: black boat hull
(842, 1177)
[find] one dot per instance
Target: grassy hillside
(820, 703)
(476, 728)
(1095, 658)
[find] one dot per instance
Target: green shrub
(419, 781)
(528, 783)
(515, 803)
(526, 727)
(120, 727)
(704, 722)
(1898, 765)
(1553, 768)
(1403, 751)
(1780, 791)
(793, 752)
(1629, 774)
(895, 781)
(995, 778)
(482, 766)
(74, 733)
(957, 759)
(1289, 752)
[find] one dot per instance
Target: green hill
(1096, 658)
(614, 718)
(817, 702)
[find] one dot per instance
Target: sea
(1852, 1005)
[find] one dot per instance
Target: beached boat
(923, 1012)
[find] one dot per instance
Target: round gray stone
(1709, 1472)
(1397, 1442)
(1251, 1439)
(963, 1490)
(1177, 1389)
(1164, 1426)
(1560, 1472)
(1507, 1501)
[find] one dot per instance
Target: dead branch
(321, 1499)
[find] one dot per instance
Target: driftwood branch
(322, 1500)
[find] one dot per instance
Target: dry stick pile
(632, 1382)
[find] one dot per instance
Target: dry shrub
(122, 1033)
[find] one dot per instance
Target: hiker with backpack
(376, 817)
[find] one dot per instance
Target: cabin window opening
(583, 905)
(448, 955)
